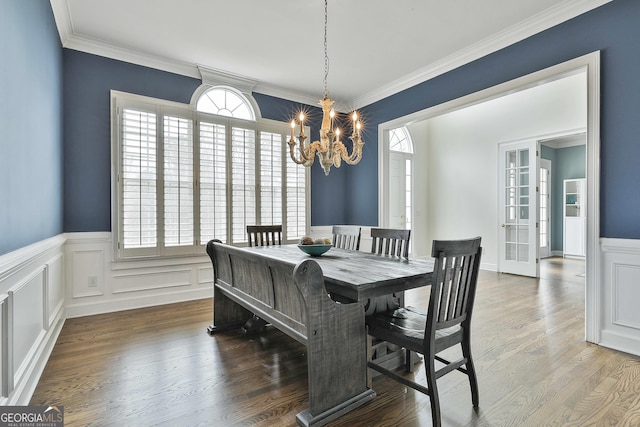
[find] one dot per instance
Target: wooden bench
(293, 299)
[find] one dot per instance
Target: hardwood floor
(158, 366)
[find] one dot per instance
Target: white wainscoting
(621, 295)
(98, 284)
(31, 315)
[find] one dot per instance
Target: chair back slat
(264, 235)
(453, 282)
(346, 236)
(390, 242)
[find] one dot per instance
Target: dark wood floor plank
(158, 366)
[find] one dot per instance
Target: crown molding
(106, 50)
(214, 77)
(280, 92)
(562, 12)
(537, 23)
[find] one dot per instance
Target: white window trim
(159, 106)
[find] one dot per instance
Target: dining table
(358, 276)
(256, 279)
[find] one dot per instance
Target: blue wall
(613, 29)
(30, 124)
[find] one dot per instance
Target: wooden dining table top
(358, 275)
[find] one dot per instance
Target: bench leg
(227, 314)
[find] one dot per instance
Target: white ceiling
(375, 47)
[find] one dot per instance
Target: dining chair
(264, 235)
(346, 236)
(446, 323)
(390, 242)
(261, 235)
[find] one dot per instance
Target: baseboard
(81, 309)
(620, 342)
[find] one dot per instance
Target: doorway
(479, 203)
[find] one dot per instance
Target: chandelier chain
(326, 55)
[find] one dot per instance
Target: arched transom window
(227, 102)
(400, 141)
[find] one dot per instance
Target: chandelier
(330, 149)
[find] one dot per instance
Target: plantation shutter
(178, 182)
(213, 182)
(138, 180)
(243, 181)
(270, 178)
(296, 200)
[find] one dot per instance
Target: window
(401, 151)
(183, 177)
(225, 102)
(399, 141)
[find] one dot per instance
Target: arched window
(401, 167)
(400, 141)
(227, 102)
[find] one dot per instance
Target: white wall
(460, 153)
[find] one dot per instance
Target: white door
(544, 217)
(518, 239)
(397, 190)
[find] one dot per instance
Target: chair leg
(430, 369)
(471, 372)
(254, 325)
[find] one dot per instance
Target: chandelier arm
(304, 157)
(356, 152)
(341, 152)
(354, 158)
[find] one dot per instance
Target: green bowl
(314, 250)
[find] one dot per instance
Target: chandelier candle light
(330, 150)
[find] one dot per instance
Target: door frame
(589, 63)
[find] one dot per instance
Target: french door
(518, 237)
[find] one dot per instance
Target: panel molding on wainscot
(99, 284)
(620, 295)
(31, 315)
